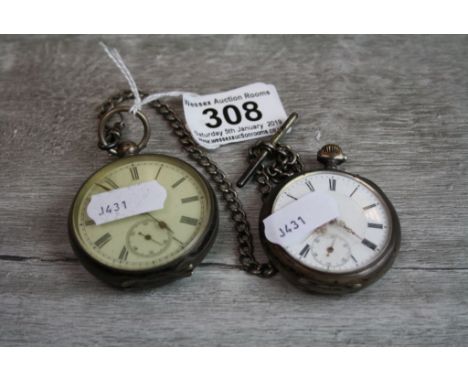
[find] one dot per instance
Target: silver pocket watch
(345, 254)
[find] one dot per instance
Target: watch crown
(331, 155)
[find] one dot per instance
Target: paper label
(249, 112)
(126, 201)
(293, 223)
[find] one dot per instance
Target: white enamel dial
(353, 240)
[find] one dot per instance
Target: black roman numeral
(134, 173)
(292, 197)
(123, 253)
(309, 184)
(108, 185)
(190, 199)
(375, 225)
(332, 184)
(352, 193)
(370, 206)
(111, 183)
(178, 182)
(159, 170)
(103, 240)
(187, 220)
(304, 251)
(369, 244)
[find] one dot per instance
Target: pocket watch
(150, 248)
(346, 253)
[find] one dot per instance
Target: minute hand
(162, 224)
(343, 225)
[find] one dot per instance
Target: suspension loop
(109, 137)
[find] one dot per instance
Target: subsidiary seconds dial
(331, 251)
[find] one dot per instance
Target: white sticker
(249, 112)
(293, 223)
(126, 201)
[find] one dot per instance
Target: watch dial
(151, 239)
(353, 240)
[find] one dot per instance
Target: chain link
(244, 236)
(283, 163)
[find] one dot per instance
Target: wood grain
(398, 105)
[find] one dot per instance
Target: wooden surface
(398, 106)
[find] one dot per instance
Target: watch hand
(149, 237)
(320, 230)
(342, 224)
(330, 249)
(162, 224)
(104, 187)
(155, 241)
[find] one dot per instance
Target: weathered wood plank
(399, 107)
(61, 304)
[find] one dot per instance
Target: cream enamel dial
(356, 238)
(149, 240)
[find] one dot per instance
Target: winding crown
(331, 155)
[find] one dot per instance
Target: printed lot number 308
(233, 115)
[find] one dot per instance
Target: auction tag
(126, 201)
(249, 112)
(293, 223)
